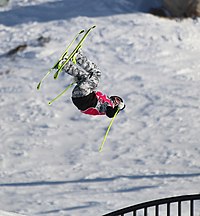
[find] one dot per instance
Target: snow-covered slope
(49, 159)
(3, 213)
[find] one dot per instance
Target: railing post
(145, 211)
(168, 209)
(157, 210)
(192, 207)
(179, 201)
(179, 208)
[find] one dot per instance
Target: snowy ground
(49, 159)
(3, 213)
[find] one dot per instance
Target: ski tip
(38, 86)
(56, 75)
(49, 103)
(100, 150)
(94, 26)
(81, 31)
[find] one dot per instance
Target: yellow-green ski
(59, 66)
(69, 86)
(105, 137)
(56, 65)
(79, 45)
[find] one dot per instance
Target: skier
(85, 98)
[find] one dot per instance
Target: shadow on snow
(47, 183)
(87, 205)
(63, 10)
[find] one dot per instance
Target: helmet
(116, 98)
(117, 101)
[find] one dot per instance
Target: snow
(3, 213)
(49, 159)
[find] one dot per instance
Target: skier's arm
(110, 112)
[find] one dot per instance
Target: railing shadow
(96, 180)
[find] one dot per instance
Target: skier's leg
(76, 72)
(87, 75)
(85, 63)
(87, 86)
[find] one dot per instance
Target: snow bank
(3, 213)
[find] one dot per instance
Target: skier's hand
(121, 106)
(117, 101)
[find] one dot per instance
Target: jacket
(96, 103)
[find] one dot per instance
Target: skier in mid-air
(84, 95)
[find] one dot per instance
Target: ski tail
(106, 134)
(46, 75)
(68, 87)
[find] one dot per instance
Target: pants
(86, 74)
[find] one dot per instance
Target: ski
(108, 129)
(69, 86)
(56, 65)
(71, 56)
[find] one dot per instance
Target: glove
(118, 102)
(121, 106)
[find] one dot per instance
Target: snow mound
(3, 213)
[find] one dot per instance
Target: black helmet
(118, 102)
(113, 98)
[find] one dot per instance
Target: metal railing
(187, 205)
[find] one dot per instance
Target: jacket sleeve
(110, 112)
